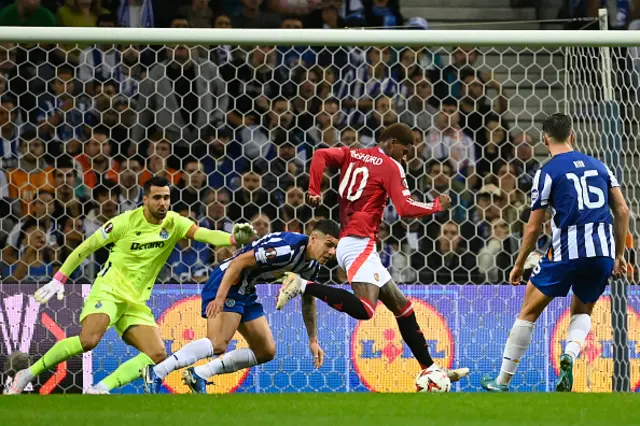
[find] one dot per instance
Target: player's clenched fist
(46, 292)
(445, 201)
(243, 233)
(314, 200)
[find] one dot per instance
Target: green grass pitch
(354, 409)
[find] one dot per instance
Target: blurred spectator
(446, 140)
(216, 212)
(27, 13)
(292, 56)
(250, 200)
(525, 160)
(475, 107)
(251, 84)
(383, 13)
(325, 133)
(101, 61)
(221, 55)
(191, 189)
(383, 115)
(416, 111)
(198, 13)
(497, 258)
(61, 115)
(304, 99)
(257, 140)
(40, 210)
(328, 87)
(9, 132)
(181, 95)
(36, 261)
(105, 208)
(158, 154)
(31, 173)
(139, 14)
(496, 148)
(450, 262)
(448, 82)
(224, 163)
(130, 190)
(187, 262)
(477, 228)
(252, 16)
(362, 85)
(65, 181)
(71, 236)
(262, 224)
(440, 175)
(284, 168)
(96, 163)
(77, 13)
(349, 137)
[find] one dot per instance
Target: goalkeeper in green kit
(142, 241)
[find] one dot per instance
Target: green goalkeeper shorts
(122, 313)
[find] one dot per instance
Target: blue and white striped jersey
(575, 187)
(275, 254)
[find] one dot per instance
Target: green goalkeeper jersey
(140, 250)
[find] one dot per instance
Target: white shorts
(360, 260)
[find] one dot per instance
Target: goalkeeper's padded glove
(46, 292)
(243, 233)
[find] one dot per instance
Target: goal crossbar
(312, 37)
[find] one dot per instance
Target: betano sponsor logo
(383, 362)
(180, 324)
(147, 246)
(593, 370)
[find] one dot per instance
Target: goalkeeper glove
(243, 233)
(46, 292)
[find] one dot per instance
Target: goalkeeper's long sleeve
(215, 238)
(77, 256)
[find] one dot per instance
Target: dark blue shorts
(588, 277)
(245, 305)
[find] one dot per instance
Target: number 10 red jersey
(367, 178)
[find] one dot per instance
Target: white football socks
(517, 344)
(187, 355)
(576, 334)
(230, 362)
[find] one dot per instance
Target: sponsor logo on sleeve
(271, 253)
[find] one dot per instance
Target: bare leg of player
(149, 342)
(402, 308)
(519, 339)
(579, 328)
(93, 328)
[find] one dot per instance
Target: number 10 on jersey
(349, 180)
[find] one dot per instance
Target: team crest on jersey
(376, 276)
(230, 303)
(164, 234)
(271, 253)
(99, 305)
(108, 228)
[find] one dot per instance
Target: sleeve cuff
(233, 240)
(59, 276)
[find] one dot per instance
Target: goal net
(234, 129)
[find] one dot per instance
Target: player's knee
(89, 340)
(219, 347)
(158, 355)
(368, 311)
(266, 353)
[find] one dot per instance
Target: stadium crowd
(234, 128)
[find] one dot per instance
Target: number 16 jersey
(367, 178)
(575, 187)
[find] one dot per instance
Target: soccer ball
(433, 379)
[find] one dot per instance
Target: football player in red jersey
(368, 177)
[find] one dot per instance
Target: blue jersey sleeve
(541, 190)
(277, 248)
(612, 181)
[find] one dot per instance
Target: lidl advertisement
(465, 326)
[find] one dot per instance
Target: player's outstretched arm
(243, 233)
(531, 234)
(310, 317)
(322, 158)
(230, 278)
(620, 212)
(396, 187)
(75, 259)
